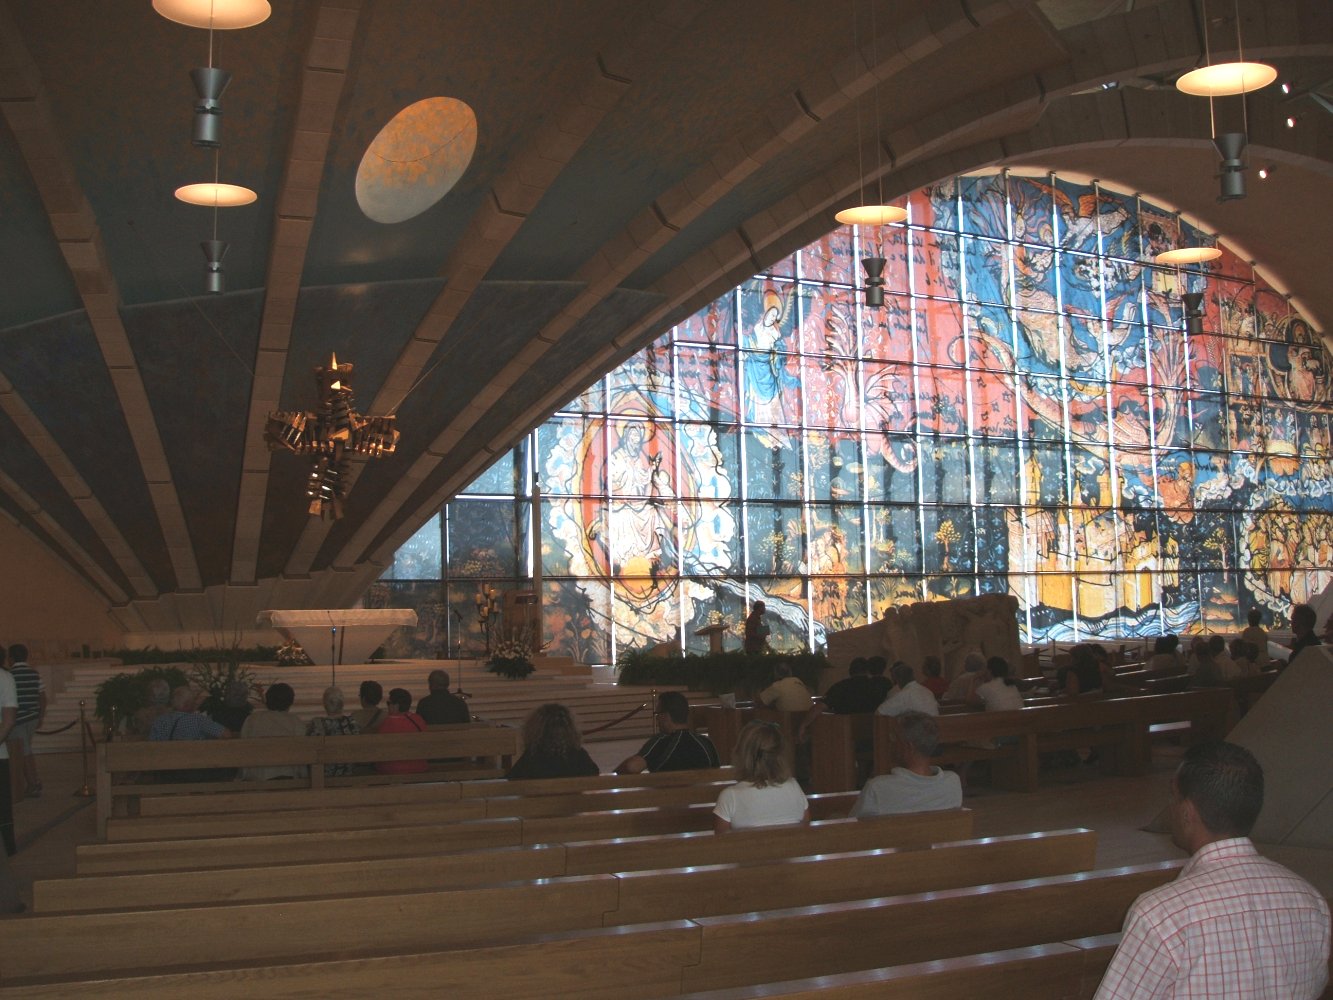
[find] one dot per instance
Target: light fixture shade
(871, 215)
(210, 195)
(220, 14)
(209, 83)
(215, 281)
(1193, 302)
(1226, 79)
(874, 268)
(1187, 255)
(1231, 145)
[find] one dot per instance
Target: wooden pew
(821, 940)
(896, 871)
(723, 725)
(1042, 972)
(1121, 725)
(125, 760)
(479, 867)
(833, 750)
(829, 836)
(610, 964)
(118, 940)
(270, 796)
(352, 815)
(815, 941)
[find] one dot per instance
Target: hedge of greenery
(719, 673)
(127, 693)
(195, 654)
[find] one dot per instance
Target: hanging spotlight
(215, 281)
(1286, 88)
(1265, 173)
(866, 214)
(209, 83)
(1231, 145)
(1291, 121)
(1193, 312)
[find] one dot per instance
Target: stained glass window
(1027, 414)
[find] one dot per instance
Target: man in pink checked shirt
(1233, 924)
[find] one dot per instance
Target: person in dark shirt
(1303, 620)
(855, 694)
(1084, 675)
(756, 629)
(875, 667)
(676, 747)
(552, 746)
(440, 707)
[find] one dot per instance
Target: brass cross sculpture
(331, 434)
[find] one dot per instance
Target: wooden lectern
(715, 634)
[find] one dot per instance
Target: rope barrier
(55, 732)
(628, 715)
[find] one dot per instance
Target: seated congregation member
(788, 692)
(1303, 620)
(881, 685)
(855, 694)
(907, 695)
(931, 680)
(676, 747)
(962, 687)
(277, 721)
(552, 746)
(371, 713)
(1165, 657)
(1257, 636)
(997, 691)
(916, 785)
(1232, 924)
(1226, 666)
(182, 722)
(235, 707)
(333, 723)
(765, 793)
(1245, 655)
(440, 707)
(401, 719)
(1083, 675)
(159, 704)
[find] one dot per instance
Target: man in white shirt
(9, 712)
(907, 694)
(916, 785)
(1232, 924)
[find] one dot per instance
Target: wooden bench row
(249, 879)
(119, 763)
(353, 814)
(1014, 740)
(396, 841)
(273, 797)
(439, 930)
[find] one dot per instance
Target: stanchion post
(86, 791)
(652, 708)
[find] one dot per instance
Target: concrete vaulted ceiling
(632, 162)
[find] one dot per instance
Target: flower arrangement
(512, 658)
(290, 654)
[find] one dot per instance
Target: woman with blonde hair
(552, 746)
(766, 793)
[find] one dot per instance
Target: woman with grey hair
(333, 723)
(235, 707)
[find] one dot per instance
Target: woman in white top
(996, 692)
(766, 794)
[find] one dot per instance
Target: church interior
(538, 330)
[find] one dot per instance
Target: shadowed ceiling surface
(632, 161)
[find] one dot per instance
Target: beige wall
(45, 604)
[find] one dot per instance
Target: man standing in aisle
(1233, 924)
(32, 713)
(9, 711)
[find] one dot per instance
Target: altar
(350, 634)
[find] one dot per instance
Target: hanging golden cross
(331, 434)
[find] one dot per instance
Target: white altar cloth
(360, 630)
